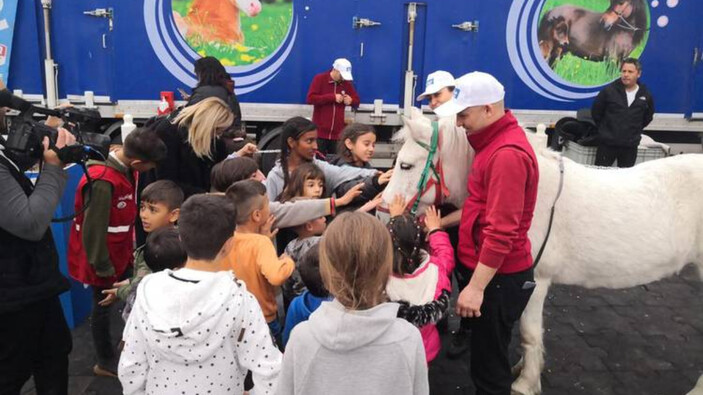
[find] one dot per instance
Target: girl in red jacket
(421, 277)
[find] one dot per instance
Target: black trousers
(100, 330)
(35, 342)
(504, 300)
(606, 156)
(326, 146)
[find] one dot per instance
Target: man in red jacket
(494, 249)
(330, 92)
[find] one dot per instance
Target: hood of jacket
(337, 328)
(188, 314)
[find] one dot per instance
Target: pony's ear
(411, 123)
(415, 113)
(418, 127)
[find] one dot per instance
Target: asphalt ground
(645, 340)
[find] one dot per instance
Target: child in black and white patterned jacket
(198, 329)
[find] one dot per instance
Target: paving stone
(553, 327)
(624, 297)
(654, 383)
(591, 383)
(572, 353)
(594, 320)
(691, 314)
(657, 320)
(104, 386)
(574, 296)
(672, 288)
(691, 275)
(628, 353)
(693, 375)
(684, 354)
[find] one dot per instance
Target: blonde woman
(193, 143)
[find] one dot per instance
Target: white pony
(612, 228)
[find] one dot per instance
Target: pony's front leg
(531, 329)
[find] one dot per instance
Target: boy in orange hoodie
(253, 256)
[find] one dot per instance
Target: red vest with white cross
(120, 231)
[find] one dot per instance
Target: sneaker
(458, 345)
(101, 371)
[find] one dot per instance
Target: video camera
(26, 135)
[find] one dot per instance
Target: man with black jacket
(621, 111)
(34, 338)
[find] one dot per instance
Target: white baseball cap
(473, 89)
(435, 82)
(344, 67)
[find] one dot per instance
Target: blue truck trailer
(118, 55)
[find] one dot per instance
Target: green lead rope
(425, 176)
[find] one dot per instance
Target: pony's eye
(406, 166)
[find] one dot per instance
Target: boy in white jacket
(198, 330)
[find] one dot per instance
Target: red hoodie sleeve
(316, 95)
(506, 179)
(351, 91)
(442, 252)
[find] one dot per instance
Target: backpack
(581, 131)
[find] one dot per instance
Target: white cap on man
(435, 82)
(470, 90)
(344, 67)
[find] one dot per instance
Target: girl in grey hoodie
(353, 344)
(298, 146)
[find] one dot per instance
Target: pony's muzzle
(608, 20)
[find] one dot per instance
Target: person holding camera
(34, 337)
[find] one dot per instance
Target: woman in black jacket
(355, 148)
(193, 143)
(213, 81)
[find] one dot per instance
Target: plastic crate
(587, 155)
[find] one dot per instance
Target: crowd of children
(212, 307)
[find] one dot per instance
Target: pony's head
(553, 38)
(249, 7)
(446, 176)
(618, 9)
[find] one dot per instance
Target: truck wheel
(114, 132)
(270, 141)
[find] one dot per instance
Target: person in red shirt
(329, 93)
(494, 249)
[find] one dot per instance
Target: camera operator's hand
(56, 122)
(64, 138)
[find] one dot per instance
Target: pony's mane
(639, 13)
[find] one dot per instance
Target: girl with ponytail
(299, 146)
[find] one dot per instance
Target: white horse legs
(531, 329)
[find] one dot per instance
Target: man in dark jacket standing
(621, 111)
(330, 92)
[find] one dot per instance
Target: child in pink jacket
(421, 279)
